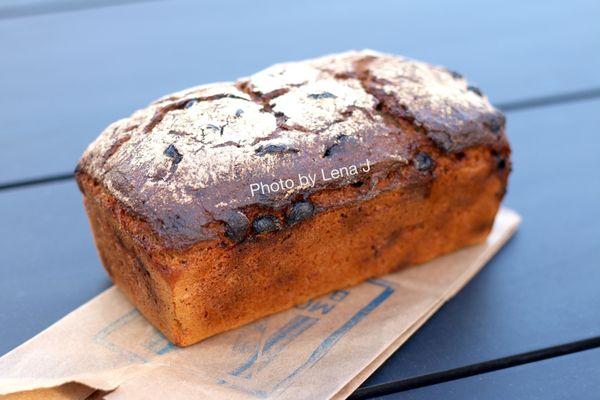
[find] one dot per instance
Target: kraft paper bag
(319, 350)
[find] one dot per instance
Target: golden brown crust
(211, 287)
(167, 190)
(186, 164)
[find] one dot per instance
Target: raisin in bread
(221, 204)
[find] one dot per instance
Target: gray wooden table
(526, 327)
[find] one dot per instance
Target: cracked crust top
(186, 162)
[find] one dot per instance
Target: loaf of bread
(227, 202)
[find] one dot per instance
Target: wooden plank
(541, 290)
(48, 262)
(65, 76)
(26, 8)
(573, 377)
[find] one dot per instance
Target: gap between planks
(474, 369)
(26, 9)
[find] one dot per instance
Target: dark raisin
(337, 146)
(423, 162)
(494, 126)
(495, 123)
(475, 90)
(172, 152)
(299, 212)
(500, 162)
(236, 227)
(454, 74)
(334, 148)
(266, 223)
(190, 103)
(324, 95)
(275, 149)
(358, 184)
(239, 112)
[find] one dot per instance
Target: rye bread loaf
(220, 204)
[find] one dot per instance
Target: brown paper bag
(322, 349)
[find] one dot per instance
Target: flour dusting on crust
(187, 160)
